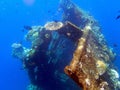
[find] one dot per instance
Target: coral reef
(47, 57)
(53, 25)
(74, 46)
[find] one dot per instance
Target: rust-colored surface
(90, 62)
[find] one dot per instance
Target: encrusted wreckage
(75, 46)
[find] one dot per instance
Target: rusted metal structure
(75, 47)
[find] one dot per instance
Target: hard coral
(53, 25)
(101, 67)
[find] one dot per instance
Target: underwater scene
(60, 45)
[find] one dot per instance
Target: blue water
(15, 14)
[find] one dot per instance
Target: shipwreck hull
(90, 62)
(68, 55)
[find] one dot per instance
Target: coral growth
(101, 67)
(53, 25)
(74, 46)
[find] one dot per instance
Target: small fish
(118, 11)
(49, 11)
(27, 27)
(55, 20)
(23, 30)
(118, 17)
(115, 45)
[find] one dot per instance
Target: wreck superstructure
(75, 47)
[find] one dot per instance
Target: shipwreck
(68, 55)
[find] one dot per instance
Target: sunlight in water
(29, 2)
